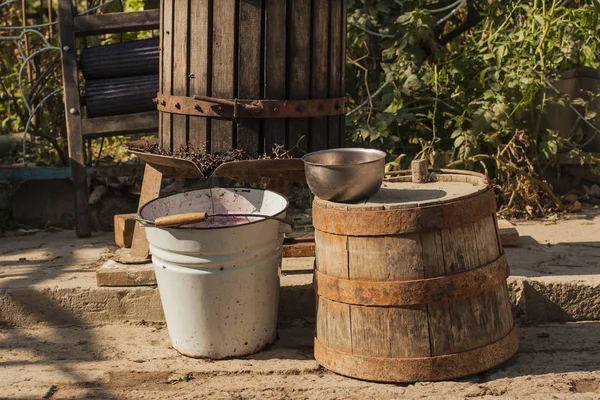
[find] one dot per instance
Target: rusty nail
(198, 108)
(73, 111)
(220, 108)
(275, 109)
(163, 103)
(192, 75)
(178, 106)
(300, 108)
(321, 107)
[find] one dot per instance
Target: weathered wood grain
(249, 71)
(166, 84)
(319, 71)
(224, 60)
(298, 64)
(275, 69)
(180, 70)
(73, 118)
(199, 83)
(337, 55)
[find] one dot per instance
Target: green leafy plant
(457, 102)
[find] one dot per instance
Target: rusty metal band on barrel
(404, 220)
(418, 369)
(403, 293)
(238, 108)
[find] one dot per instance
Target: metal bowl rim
(347, 149)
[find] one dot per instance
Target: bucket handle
(195, 217)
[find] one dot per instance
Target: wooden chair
(78, 126)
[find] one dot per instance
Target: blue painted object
(28, 174)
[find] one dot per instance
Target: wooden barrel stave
(421, 331)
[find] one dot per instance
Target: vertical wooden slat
(275, 68)
(249, 71)
(438, 314)
(319, 71)
(299, 68)
(73, 118)
(370, 331)
(338, 326)
(332, 254)
(480, 319)
(388, 331)
(409, 331)
(223, 69)
(160, 67)
(342, 61)
(198, 78)
(180, 69)
(167, 71)
(336, 56)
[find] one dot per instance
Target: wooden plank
(370, 331)
(332, 254)
(275, 69)
(167, 71)
(128, 124)
(409, 331)
(338, 331)
(73, 118)
(180, 70)
(298, 63)
(199, 78)
(336, 57)
(124, 225)
(460, 253)
(150, 191)
(343, 138)
(160, 64)
(438, 314)
(250, 71)
(385, 258)
(480, 319)
(223, 70)
(300, 249)
(509, 235)
(99, 24)
(321, 328)
(319, 72)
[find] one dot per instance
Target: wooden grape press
(251, 75)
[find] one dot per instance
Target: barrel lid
(400, 192)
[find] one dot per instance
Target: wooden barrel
(251, 50)
(411, 284)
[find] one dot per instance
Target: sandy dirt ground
(135, 361)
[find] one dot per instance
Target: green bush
(463, 102)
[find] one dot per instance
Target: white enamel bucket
(219, 279)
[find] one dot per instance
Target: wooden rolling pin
(181, 219)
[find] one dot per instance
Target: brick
(114, 274)
(124, 226)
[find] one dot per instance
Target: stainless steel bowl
(344, 175)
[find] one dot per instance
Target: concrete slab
(134, 361)
(50, 278)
